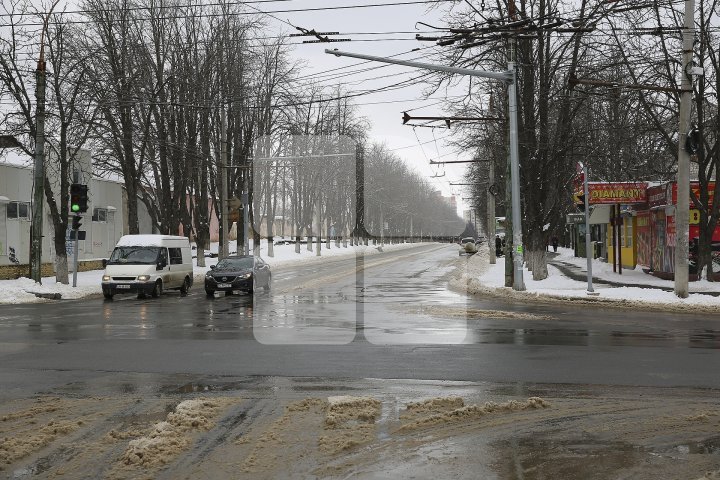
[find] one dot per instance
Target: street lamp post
(509, 77)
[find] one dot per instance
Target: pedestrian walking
(555, 242)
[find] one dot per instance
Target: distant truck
(148, 265)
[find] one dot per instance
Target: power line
(237, 13)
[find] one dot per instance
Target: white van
(147, 265)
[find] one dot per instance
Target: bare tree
(67, 79)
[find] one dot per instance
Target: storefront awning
(600, 214)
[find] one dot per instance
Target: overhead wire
(270, 13)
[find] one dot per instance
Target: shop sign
(624, 192)
(694, 218)
(695, 187)
(575, 218)
(657, 196)
(670, 233)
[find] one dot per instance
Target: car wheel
(209, 293)
(108, 295)
(158, 290)
(185, 286)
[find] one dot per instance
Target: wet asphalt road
(388, 315)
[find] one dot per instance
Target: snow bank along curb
(474, 278)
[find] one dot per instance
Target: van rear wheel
(158, 290)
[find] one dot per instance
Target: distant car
(242, 272)
(467, 246)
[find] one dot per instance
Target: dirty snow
(473, 412)
(169, 438)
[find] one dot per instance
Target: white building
(103, 222)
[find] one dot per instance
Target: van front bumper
(114, 288)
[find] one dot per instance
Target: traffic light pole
(509, 77)
(588, 254)
(76, 248)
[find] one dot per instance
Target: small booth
(656, 234)
(613, 220)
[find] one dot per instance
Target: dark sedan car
(243, 272)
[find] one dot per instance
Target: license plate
(224, 285)
(123, 286)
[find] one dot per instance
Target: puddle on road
(710, 446)
(540, 459)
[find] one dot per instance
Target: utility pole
(509, 77)
(36, 234)
(246, 215)
(518, 249)
(682, 207)
(222, 249)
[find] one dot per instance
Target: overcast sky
(385, 117)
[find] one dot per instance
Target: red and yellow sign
(695, 188)
(623, 192)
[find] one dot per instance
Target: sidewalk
(579, 274)
(567, 283)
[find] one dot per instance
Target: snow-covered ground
(482, 277)
(23, 290)
(479, 277)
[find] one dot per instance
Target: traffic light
(76, 223)
(78, 198)
(692, 141)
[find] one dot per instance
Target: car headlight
(106, 278)
(143, 278)
(208, 275)
(246, 275)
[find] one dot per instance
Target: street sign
(234, 203)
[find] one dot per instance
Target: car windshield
(134, 255)
(228, 264)
(468, 240)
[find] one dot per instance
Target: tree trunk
(61, 260)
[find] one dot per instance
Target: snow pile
(604, 271)
(432, 406)
(23, 290)
(169, 438)
(482, 278)
(349, 422)
(474, 412)
(20, 446)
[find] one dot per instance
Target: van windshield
(134, 255)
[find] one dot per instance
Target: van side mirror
(161, 264)
(104, 262)
(212, 267)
